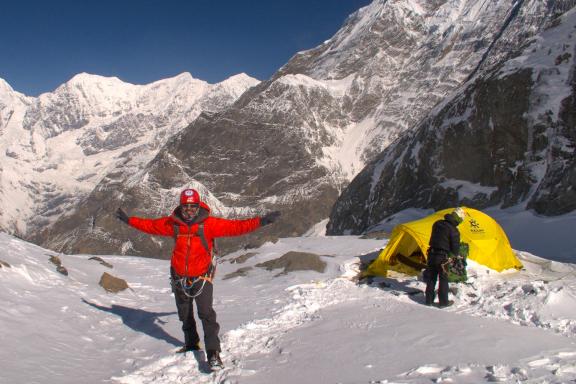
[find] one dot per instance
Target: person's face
(189, 210)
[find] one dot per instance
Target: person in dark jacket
(444, 243)
(192, 265)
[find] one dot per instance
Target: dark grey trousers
(434, 273)
(206, 314)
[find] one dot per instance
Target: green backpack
(457, 265)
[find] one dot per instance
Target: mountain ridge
(86, 128)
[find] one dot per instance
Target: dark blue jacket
(445, 236)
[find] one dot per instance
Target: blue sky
(44, 43)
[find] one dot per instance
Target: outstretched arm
(161, 226)
(219, 227)
(224, 227)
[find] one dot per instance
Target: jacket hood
(449, 217)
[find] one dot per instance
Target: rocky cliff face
(294, 142)
(400, 58)
(507, 138)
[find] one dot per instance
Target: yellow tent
(408, 246)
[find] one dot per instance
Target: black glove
(269, 218)
(121, 215)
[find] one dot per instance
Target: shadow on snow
(141, 321)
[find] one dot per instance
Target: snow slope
(299, 327)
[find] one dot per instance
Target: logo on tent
(475, 226)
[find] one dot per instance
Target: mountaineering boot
(214, 360)
(187, 348)
(445, 305)
(191, 340)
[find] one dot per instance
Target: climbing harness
(188, 284)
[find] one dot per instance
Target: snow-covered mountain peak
(5, 87)
(8, 95)
(85, 77)
(230, 88)
(182, 80)
(241, 79)
(95, 84)
(95, 88)
(184, 76)
(86, 94)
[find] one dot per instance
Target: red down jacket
(190, 257)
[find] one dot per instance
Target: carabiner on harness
(189, 283)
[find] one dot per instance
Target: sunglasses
(190, 207)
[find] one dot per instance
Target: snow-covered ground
(298, 327)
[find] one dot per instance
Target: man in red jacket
(192, 263)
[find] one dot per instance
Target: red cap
(189, 196)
